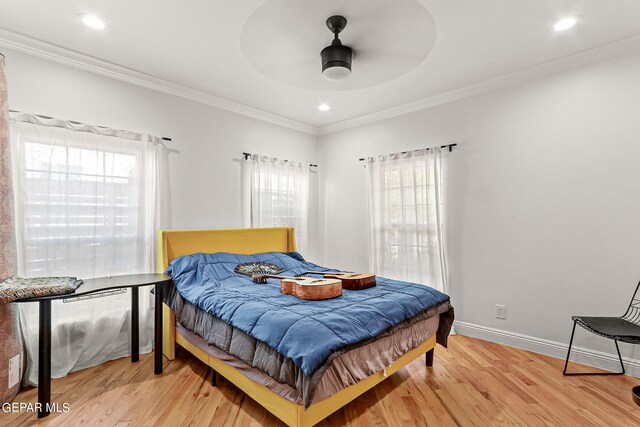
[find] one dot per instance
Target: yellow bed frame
(175, 243)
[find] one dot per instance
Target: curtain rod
(246, 156)
(450, 146)
(164, 138)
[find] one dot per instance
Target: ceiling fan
(381, 46)
(336, 58)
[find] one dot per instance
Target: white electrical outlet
(501, 311)
(14, 370)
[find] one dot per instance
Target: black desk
(93, 287)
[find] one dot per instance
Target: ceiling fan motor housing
(336, 55)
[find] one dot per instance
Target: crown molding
(606, 52)
(28, 45)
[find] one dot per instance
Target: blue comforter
(305, 331)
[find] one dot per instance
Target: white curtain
(11, 342)
(276, 194)
(406, 217)
(87, 205)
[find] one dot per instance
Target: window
(276, 194)
(405, 202)
(80, 210)
(408, 234)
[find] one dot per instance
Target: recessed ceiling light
(324, 107)
(565, 23)
(92, 21)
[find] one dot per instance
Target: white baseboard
(582, 355)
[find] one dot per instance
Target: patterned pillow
(18, 287)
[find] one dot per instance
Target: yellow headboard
(175, 243)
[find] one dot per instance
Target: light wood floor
(473, 383)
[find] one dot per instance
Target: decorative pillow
(257, 268)
(15, 287)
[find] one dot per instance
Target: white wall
(543, 192)
(543, 197)
(204, 177)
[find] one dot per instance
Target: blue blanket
(305, 331)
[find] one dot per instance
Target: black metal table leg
(157, 351)
(44, 358)
(135, 325)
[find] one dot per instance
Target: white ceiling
(208, 45)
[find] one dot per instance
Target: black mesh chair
(625, 329)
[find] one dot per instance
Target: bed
(273, 380)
